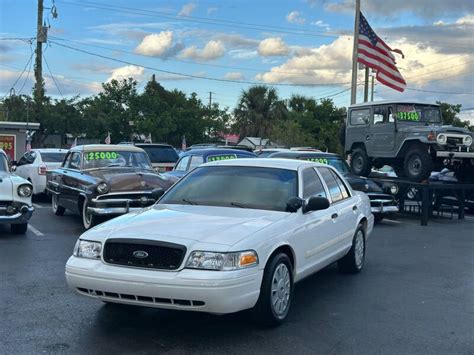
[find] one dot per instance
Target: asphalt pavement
(415, 296)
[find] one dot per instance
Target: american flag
(183, 144)
(374, 53)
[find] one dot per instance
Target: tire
(361, 164)
(378, 217)
(88, 219)
(19, 228)
(274, 302)
(353, 261)
(418, 164)
(57, 209)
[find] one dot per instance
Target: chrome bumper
(109, 211)
(108, 207)
(18, 218)
(381, 209)
(448, 154)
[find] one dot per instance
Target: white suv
(33, 166)
(15, 198)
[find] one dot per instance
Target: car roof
(386, 102)
(288, 164)
(213, 151)
(107, 147)
(303, 153)
(165, 145)
(50, 150)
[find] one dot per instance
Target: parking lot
(414, 296)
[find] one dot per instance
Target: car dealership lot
(414, 295)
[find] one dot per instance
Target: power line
(21, 74)
(27, 74)
(440, 70)
(177, 73)
(442, 92)
(52, 76)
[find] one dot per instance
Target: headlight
(441, 139)
(24, 190)
(87, 249)
(209, 260)
(394, 189)
(467, 141)
(102, 188)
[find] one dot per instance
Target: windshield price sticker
(101, 155)
(221, 157)
(317, 160)
(409, 116)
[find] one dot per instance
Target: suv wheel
(418, 164)
(361, 164)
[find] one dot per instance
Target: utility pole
(210, 99)
(372, 88)
(354, 54)
(366, 84)
(40, 39)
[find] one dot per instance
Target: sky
(300, 46)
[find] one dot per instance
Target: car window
(342, 186)
(160, 154)
(332, 184)
(182, 164)
(27, 158)
(52, 157)
(360, 117)
(383, 114)
(116, 159)
(312, 185)
(196, 160)
(3, 163)
(235, 186)
(74, 161)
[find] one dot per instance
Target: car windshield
(161, 154)
(418, 113)
(53, 157)
(120, 159)
(235, 186)
(335, 162)
(3, 163)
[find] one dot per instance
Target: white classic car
(229, 236)
(15, 198)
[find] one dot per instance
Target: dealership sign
(8, 144)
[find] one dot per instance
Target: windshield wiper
(236, 204)
(189, 202)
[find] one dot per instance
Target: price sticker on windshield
(221, 157)
(101, 155)
(317, 160)
(408, 113)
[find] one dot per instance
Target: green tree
(450, 113)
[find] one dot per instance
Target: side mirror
(13, 165)
(157, 193)
(294, 204)
(316, 203)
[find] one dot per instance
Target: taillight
(168, 168)
(42, 170)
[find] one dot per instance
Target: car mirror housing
(294, 204)
(316, 203)
(157, 193)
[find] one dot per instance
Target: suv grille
(454, 140)
(148, 253)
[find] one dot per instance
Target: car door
(357, 127)
(24, 165)
(70, 183)
(382, 130)
(316, 232)
(346, 208)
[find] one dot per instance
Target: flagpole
(366, 84)
(354, 54)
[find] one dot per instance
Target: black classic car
(100, 181)
(383, 204)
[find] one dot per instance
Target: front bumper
(117, 206)
(23, 214)
(383, 204)
(455, 154)
(217, 292)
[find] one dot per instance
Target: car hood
(360, 183)
(189, 225)
(125, 179)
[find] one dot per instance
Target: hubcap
(55, 202)
(281, 288)
(415, 165)
(87, 216)
(358, 162)
(359, 249)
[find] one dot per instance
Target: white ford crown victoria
(15, 198)
(229, 236)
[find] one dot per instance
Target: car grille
(454, 141)
(148, 254)
(135, 200)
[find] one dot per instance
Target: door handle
(354, 208)
(367, 138)
(334, 216)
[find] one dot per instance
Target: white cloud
(234, 76)
(212, 50)
(212, 9)
(159, 45)
(187, 9)
(295, 17)
(273, 46)
(128, 71)
(466, 20)
(236, 40)
(320, 23)
(243, 53)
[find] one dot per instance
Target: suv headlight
(102, 188)
(24, 190)
(208, 260)
(87, 249)
(467, 141)
(442, 139)
(394, 189)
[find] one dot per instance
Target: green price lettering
(409, 116)
(101, 155)
(317, 160)
(220, 157)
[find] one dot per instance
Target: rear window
(360, 117)
(159, 154)
(53, 157)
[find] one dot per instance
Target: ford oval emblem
(140, 254)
